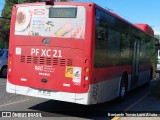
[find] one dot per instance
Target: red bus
(76, 52)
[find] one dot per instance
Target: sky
(135, 11)
(2, 2)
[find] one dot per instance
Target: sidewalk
(149, 104)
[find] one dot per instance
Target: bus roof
(145, 28)
(58, 3)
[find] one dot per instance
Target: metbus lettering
(46, 52)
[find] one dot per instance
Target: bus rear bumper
(80, 98)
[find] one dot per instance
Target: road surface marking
(14, 102)
(131, 106)
(116, 118)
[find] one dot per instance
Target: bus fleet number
(46, 52)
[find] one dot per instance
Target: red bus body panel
(76, 53)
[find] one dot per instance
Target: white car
(3, 62)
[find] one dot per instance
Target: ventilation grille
(29, 59)
(46, 61)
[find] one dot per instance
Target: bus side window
(101, 40)
(159, 54)
(113, 41)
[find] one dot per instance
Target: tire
(123, 88)
(4, 72)
(150, 77)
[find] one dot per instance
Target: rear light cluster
(9, 64)
(86, 70)
(86, 74)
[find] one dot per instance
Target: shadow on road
(64, 109)
(57, 108)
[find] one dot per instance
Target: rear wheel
(150, 77)
(4, 72)
(123, 88)
(151, 74)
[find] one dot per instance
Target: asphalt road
(5, 97)
(63, 110)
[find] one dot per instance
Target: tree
(157, 36)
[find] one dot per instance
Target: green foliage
(157, 36)
(3, 44)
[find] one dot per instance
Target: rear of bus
(50, 51)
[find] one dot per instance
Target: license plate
(45, 93)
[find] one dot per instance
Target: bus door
(135, 63)
(158, 62)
